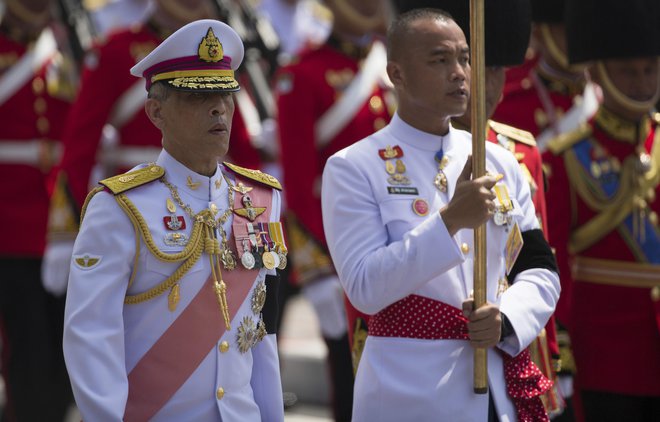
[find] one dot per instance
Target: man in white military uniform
(399, 208)
(169, 306)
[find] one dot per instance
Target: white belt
(129, 156)
(32, 152)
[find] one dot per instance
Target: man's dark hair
(401, 26)
(159, 91)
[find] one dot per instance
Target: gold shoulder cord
(202, 239)
(189, 255)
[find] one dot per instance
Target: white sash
(21, 72)
(341, 112)
(249, 113)
(579, 113)
(128, 104)
(109, 157)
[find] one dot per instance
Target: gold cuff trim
(616, 273)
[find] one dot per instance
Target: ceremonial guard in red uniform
(37, 84)
(107, 126)
(603, 190)
(542, 89)
(330, 98)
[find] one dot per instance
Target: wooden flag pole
(478, 124)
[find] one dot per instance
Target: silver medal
(499, 218)
(247, 260)
(283, 261)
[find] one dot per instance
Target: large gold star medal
(210, 49)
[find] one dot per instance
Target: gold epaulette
(256, 175)
(513, 133)
(133, 179)
(561, 143)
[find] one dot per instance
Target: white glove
(327, 298)
(55, 266)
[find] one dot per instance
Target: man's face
(637, 79)
(197, 124)
(495, 78)
(432, 73)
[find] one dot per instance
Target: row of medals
(249, 333)
(270, 258)
(396, 169)
(501, 216)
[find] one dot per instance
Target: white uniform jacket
(384, 251)
(104, 338)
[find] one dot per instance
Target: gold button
(376, 104)
(379, 123)
(655, 294)
(40, 105)
(43, 125)
(38, 85)
(220, 393)
(526, 83)
(465, 248)
(224, 346)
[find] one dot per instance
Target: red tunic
(306, 90)
(106, 77)
(524, 96)
(615, 329)
(36, 111)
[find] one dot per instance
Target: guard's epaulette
(656, 117)
(562, 142)
(256, 175)
(513, 133)
(132, 179)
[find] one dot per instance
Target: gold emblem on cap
(210, 49)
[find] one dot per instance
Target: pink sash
(182, 348)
